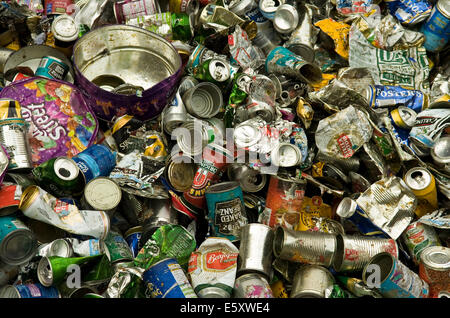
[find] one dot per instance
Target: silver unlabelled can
(312, 281)
(61, 248)
(441, 153)
(13, 136)
(203, 100)
(353, 253)
(174, 115)
(285, 19)
(250, 180)
(315, 248)
(255, 250)
(102, 194)
(252, 286)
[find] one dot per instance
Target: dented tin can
(417, 237)
(285, 19)
(436, 28)
(396, 280)
(204, 100)
(166, 279)
(95, 161)
(353, 253)
(252, 285)
(315, 248)
(312, 281)
(226, 208)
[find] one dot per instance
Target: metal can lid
(66, 169)
(246, 135)
(213, 292)
(286, 155)
(418, 178)
(18, 247)
(240, 7)
(64, 28)
(270, 6)
(444, 7)
(45, 272)
(181, 175)
(102, 193)
(61, 248)
(219, 70)
(286, 19)
(441, 150)
(407, 117)
(436, 258)
(346, 207)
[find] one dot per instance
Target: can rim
(26, 256)
(45, 272)
(388, 269)
(425, 257)
(29, 195)
(416, 186)
(109, 204)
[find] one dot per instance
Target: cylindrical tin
(286, 19)
(17, 243)
(269, 7)
(252, 286)
(117, 249)
(348, 209)
(284, 200)
(312, 281)
(175, 114)
(61, 248)
(281, 61)
(65, 30)
(214, 161)
(441, 153)
(102, 194)
(286, 155)
(95, 161)
(166, 279)
(132, 237)
(355, 252)
(13, 136)
(29, 291)
(255, 250)
(434, 268)
(404, 117)
(436, 28)
(9, 198)
(226, 208)
(396, 280)
(180, 171)
(315, 248)
(128, 9)
(250, 180)
(259, 108)
(61, 176)
(423, 185)
(52, 67)
(301, 40)
(203, 100)
(418, 236)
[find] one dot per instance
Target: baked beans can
(226, 208)
(13, 137)
(436, 29)
(312, 281)
(52, 68)
(284, 201)
(212, 268)
(423, 185)
(434, 268)
(166, 279)
(10, 195)
(354, 252)
(95, 161)
(132, 237)
(252, 285)
(129, 9)
(396, 280)
(29, 291)
(417, 237)
(17, 243)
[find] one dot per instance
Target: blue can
(17, 243)
(437, 27)
(29, 291)
(166, 279)
(95, 161)
(226, 209)
(348, 209)
(53, 68)
(133, 237)
(409, 12)
(387, 95)
(393, 279)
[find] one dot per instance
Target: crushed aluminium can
(132, 237)
(166, 279)
(409, 12)
(95, 161)
(423, 185)
(388, 95)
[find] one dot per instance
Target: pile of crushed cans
(225, 149)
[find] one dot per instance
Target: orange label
(219, 261)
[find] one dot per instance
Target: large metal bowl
(111, 63)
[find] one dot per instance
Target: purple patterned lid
(61, 122)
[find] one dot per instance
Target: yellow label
(326, 78)
(278, 290)
(338, 31)
(14, 45)
(313, 207)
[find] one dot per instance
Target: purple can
(133, 237)
(96, 161)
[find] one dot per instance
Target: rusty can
(312, 281)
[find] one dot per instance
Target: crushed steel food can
(312, 281)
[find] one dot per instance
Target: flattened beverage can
(396, 280)
(226, 207)
(95, 161)
(17, 243)
(52, 67)
(437, 27)
(387, 95)
(29, 291)
(166, 279)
